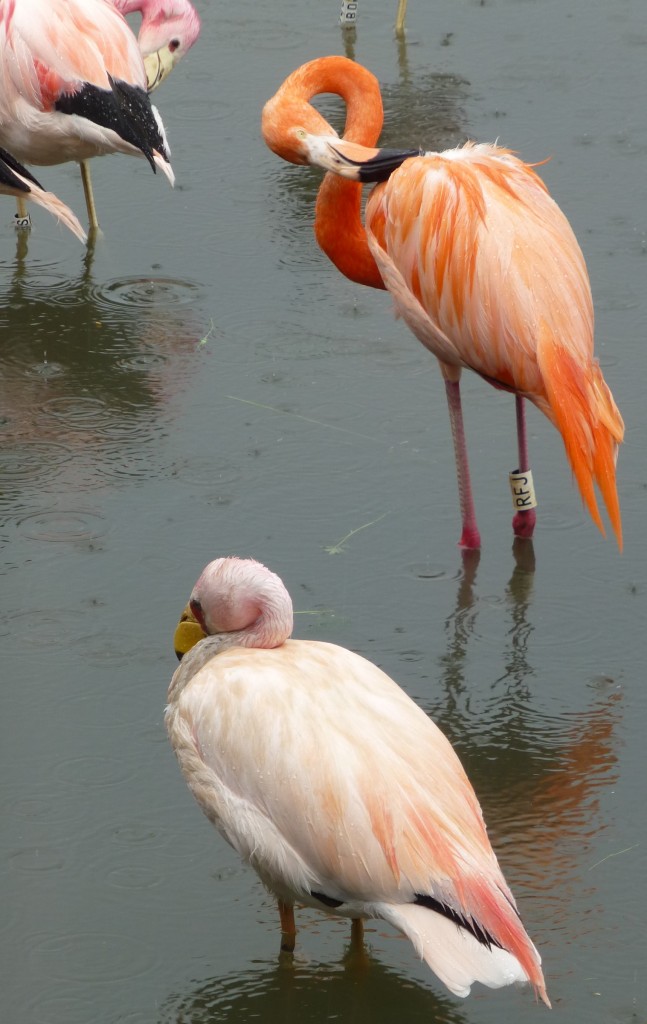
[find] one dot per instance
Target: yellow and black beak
(188, 633)
(159, 66)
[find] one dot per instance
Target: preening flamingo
(16, 181)
(482, 265)
(334, 786)
(73, 86)
(168, 30)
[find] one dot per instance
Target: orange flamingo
(482, 265)
(16, 181)
(334, 786)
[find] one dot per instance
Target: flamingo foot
(470, 538)
(523, 523)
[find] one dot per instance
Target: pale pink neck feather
(129, 6)
(243, 604)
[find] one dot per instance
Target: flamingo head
(291, 127)
(240, 601)
(168, 30)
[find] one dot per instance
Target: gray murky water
(208, 384)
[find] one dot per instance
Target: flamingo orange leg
(288, 927)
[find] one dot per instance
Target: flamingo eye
(174, 45)
(196, 610)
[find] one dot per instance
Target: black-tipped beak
(380, 167)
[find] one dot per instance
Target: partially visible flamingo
(401, 14)
(168, 30)
(16, 181)
(482, 265)
(334, 786)
(73, 86)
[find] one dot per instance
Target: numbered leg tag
(348, 13)
(22, 222)
(523, 491)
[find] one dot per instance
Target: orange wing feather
(489, 262)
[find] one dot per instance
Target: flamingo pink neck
(243, 603)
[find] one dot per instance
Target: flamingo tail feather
(459, 959)
(588, 419)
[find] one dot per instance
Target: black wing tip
(327, 901)
(124, 108)
(12, 168)
(468, 923)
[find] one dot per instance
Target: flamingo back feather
(374, 824)
(486, 271)
(71, 46)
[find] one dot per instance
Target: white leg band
(523, 491)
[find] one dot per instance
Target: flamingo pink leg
(470, 537)
(523, 522)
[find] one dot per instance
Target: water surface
(205, 383)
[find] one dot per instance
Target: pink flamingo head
(168, 30)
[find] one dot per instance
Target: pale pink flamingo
(334, 786)
(482, 265)
(16, 181)
(168, 30)
(73, 86)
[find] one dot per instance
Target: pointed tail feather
(58, 209)
(164, 166)
(584, 412)
(458, 958)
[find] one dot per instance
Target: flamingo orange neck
(338, 222)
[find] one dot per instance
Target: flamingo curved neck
(340, 76)
(338, 226)
(340, 232)
(338, 221)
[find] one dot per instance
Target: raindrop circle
(88, 771)
(91, 956)
(32, 461)
(63, 526)
(37, 859)
(147, 292)
(69, 1008)
(78, 413)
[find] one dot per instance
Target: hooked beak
(382, 165)
(188, 633)
(359, 163)
(159, 66)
